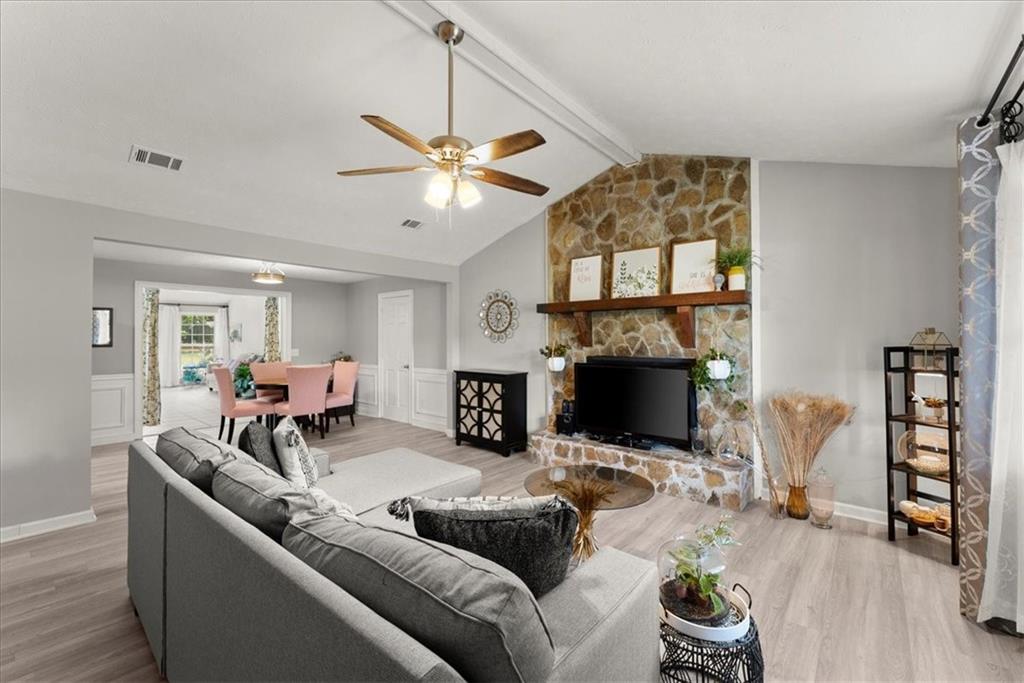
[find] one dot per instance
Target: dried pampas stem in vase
(803, 424)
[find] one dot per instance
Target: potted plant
(713, 366)
(693, 601)
(735, 262)
(243, 381)
(556, 356)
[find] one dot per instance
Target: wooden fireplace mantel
(680, 304)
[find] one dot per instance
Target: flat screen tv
(642, 398)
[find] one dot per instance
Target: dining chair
(342, 399)
(307, 394)
(231, 408)
(265, 371)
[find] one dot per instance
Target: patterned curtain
(150, 357)
(272, 331)
(979, 181)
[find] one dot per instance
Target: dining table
(273, 383)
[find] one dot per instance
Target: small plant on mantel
(713, 366)
(556, 356)
(735, 262)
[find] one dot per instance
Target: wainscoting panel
(113, 408)
(430, 398)
(368, 403)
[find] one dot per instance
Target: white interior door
(395, 354)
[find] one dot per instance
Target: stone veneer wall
(660, 200)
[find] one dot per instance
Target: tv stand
(673, 471)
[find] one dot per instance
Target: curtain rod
(984, 120)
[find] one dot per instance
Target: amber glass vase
(796, 503)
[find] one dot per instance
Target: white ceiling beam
(496, 59)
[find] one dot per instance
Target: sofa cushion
(375, 480)
(192, 456)
(473, 613)
(297, 464)
(258, 441)
(267, 500)
(531, 537)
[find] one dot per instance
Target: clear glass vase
(821, 494)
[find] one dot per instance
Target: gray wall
(46, 291)
(516, 262)
(429, 319)
(855, 258)
(318, 308)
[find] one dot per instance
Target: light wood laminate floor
(843, 604)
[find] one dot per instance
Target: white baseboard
(42, 526)
(869, 515)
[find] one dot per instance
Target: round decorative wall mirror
(499, 316)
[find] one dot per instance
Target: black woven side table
(692, 660)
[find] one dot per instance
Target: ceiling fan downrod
(451, 35)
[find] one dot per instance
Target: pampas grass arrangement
(803, 425)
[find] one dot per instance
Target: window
(196, 340)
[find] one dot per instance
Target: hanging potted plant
(713, 366)
(556, 356)
(693, 599)
(735, 263)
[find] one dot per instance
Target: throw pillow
(192, 456)
(297, 464)
(258, 441)
(267, 500)
(474, 614)
(531, 537)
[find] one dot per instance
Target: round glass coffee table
(590, 488)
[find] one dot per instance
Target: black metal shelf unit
(907, 363)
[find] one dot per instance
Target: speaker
(566, 424)
(568, 406)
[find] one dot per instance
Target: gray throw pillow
(267, 500)
(474, 614)
(531, 537)
(258, 441)
(192, 456)
(297, 464)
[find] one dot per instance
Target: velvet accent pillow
(297, 463)
(258, 441)
(531, 537)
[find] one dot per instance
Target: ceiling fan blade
(506, 146)
(384, 169)
(403, 136)
(509, 181)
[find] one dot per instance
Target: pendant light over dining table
(454, 158)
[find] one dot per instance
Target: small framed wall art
(636, 273)
(693, 266)
(585, 278)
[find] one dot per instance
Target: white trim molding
(869, 515)
(42, 526)
(367, 403)
(112, 401)
(430, 399)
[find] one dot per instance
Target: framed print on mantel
(585, 278)
(636, 273)
(693, 267)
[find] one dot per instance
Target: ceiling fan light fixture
(268, 274)
(439, 191)
(468, 194)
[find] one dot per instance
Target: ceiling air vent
(411, 223)
(149, 157)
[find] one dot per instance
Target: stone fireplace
(661, 200)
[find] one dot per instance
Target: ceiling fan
(454, 157)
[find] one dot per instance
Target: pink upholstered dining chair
(264, 371)
(231, 408)
(342, 399)
(307, 393)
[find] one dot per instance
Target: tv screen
(646, 398)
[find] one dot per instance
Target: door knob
(406, 366)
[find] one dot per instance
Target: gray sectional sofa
(220, 600)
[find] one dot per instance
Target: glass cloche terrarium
(694, 598)
(821, 494)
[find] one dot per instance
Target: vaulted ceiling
(262, 100)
